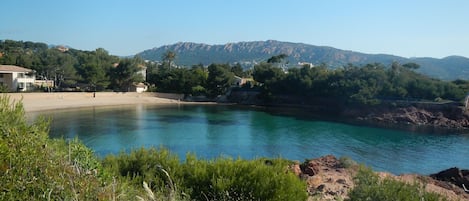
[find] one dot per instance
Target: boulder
(315, 166)
(453, 175)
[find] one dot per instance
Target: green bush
(218, 179)
(370, 187)
(33, 167)
(228, 179)
(346, 162)
(144, 165)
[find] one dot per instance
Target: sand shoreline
(34, 102)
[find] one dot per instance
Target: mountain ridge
(249, 53)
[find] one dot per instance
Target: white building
(139, 87)
(17, 78)
(301, 64)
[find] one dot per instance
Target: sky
(408, 28)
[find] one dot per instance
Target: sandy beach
(50, 101)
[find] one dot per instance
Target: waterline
(212, 131)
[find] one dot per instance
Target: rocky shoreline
(413, 115)
(438, 117)
(329, 178)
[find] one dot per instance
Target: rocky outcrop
(329, 178)
(416, 116)
(326, 177)
(455, 176)
(432, 115)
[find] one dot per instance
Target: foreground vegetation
(370, 187)
(35, 167)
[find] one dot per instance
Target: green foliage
(346, 162)
(370, 187)
(33, 167)
(4, 88)
(168, 58)
(91, 70)
(143, 165)
(266, 73)
(198, 90)
(219, 179)
(369, 84)
(212, 81)
(277, 58)
(237, 69)
(125, 74)
(219, 79)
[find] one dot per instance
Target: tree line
(71, 68)
(198, 80)
(367, 84)
(97, 70)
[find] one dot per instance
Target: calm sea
(213, 131)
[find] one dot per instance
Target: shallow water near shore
(210, 131)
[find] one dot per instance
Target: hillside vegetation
(250, 53)
(369, 84)
(73, 69)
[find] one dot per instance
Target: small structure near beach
(16, 78)
(139, 87)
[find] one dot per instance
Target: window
(1, 75)
(21, 75)
(21, 85)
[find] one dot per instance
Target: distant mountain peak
(249, 53)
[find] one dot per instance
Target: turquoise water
(212, 131)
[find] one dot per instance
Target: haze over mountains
(249, 53)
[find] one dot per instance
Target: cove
(211, 131)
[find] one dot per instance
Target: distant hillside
(249, 53)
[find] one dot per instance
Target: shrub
(370, 187)
(218, 179)
(228, 179)
(346, 162)
(33, 167)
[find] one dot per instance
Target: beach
(33, 102)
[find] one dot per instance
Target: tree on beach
(219, 79)
(124, 74)
(95, 77)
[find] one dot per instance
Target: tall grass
(34, 167)
(368, 186)
(217, 179)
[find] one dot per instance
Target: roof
(11, 68)
(139, 85)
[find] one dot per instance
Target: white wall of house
(141, 89)
(17, 81)
(25, 81)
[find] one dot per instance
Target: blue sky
(418, 28)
